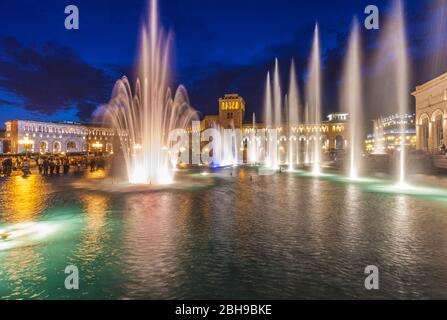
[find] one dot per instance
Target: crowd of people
(50, 165)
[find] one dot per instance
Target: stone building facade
(332, 132)
(55, 138)
(431, 114)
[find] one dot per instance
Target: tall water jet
(379, 137)
(402, 82)
(314, 100)
(277, 105)
(151, 113)
(389, 91)
(253, 143)
(352, 99)
(293, 112)
(269, 123)
(307, 157)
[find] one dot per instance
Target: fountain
(401, 69)
(150, 113)
(379, 136)
(390, 88)
(314, 101)
(229, 147)
(271, 150)
(352, 99)
(293, 110)
(253, 143)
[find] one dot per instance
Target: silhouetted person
(58, 166)
(46, 166)
(52, 166)
(66, 165)
(9, 166)
(40, 165)
(92, 164)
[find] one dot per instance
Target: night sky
(220, 46)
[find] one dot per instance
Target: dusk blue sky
(50, 73)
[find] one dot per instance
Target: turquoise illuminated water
(232, 234)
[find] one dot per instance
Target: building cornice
(430, 84)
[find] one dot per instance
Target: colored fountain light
(145, 117)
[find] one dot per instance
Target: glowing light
(97, 145)
(24, 233)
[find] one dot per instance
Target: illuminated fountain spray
(268, 116)
(229, 147)
(314, 100)
(277, 105)
(352, 98)
(150, 113)
(379, 136)
(396, 45)
(307, 154)
(400, 48)
(253, 144)
(293, 112)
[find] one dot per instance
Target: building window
(424, 134)
(57, 147)
(439, 134)
(71, 146)
(339, 143)
(43, 146)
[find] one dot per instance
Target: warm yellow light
(97, 145)
(26, 141)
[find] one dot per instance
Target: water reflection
(23, 199)
(22, 273)
(245, 236)
(150, 268)
(94, 234)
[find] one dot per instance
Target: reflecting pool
(223, 234)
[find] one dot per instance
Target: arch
(437, 113)
(438, 120)
(423, 117)
(43, 146)
(71, 146)
(109, 147)
(57, 147)
(424, 132)
(339, 142)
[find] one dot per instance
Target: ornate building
(388, 133)
(431, 114)
(333, 132)
(231, 113)
(55, 138)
